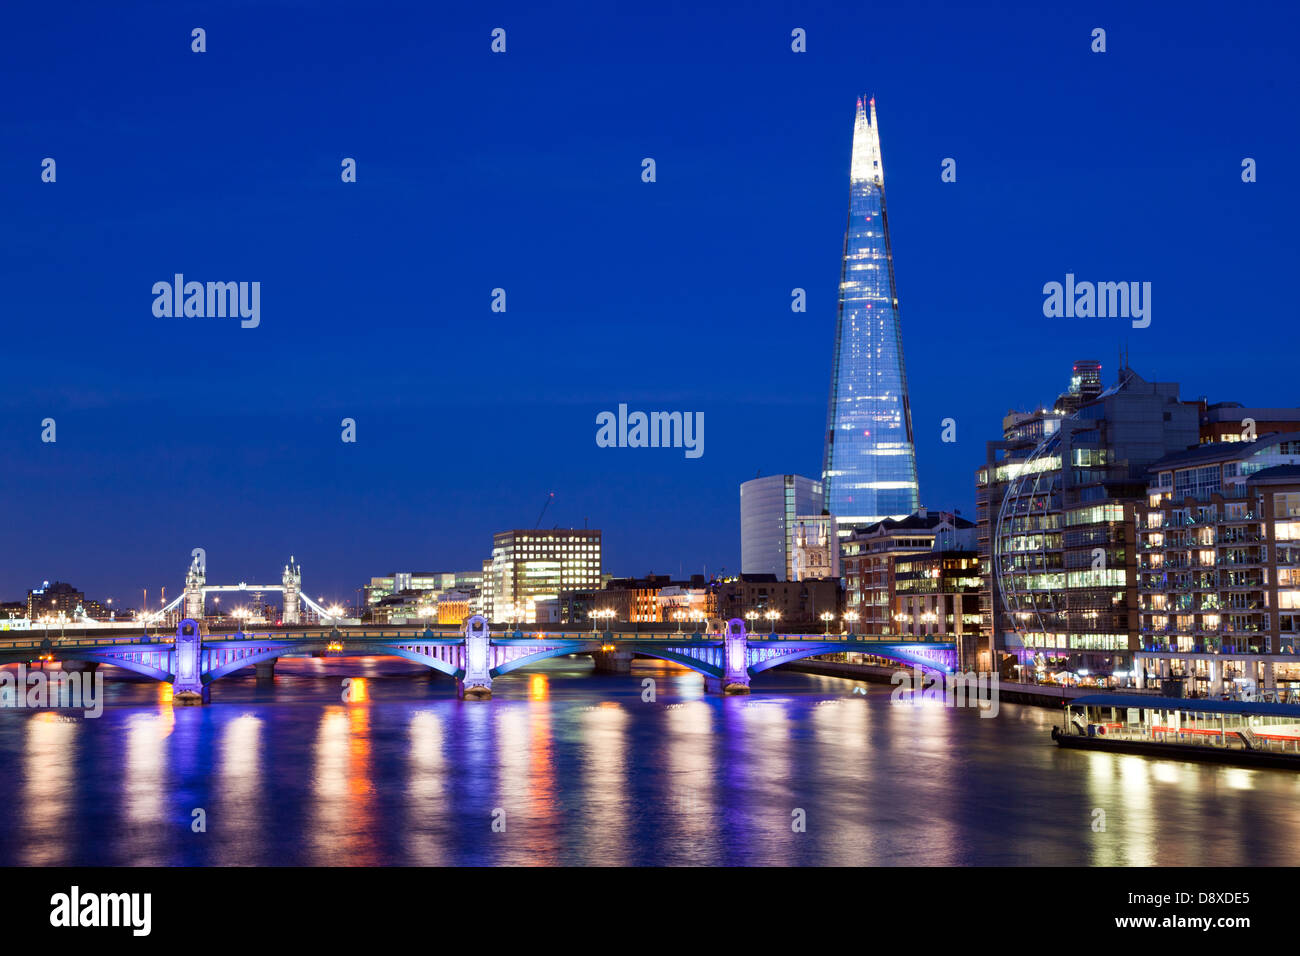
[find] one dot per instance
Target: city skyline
(178, 433)
(420, 452)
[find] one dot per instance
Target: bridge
(197, 590)
(473, 655)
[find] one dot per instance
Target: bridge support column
(266, 669)
(476, 682)
(612, 662)
(187, 663)
(735, 662)
(80, 667)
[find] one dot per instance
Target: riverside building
(1219, 569)
(870, 555)
(1056, 504)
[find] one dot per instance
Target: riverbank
(1039, 695)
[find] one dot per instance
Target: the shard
(869, 469)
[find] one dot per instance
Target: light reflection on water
(575, 768)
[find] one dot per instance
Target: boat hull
(1248, 758)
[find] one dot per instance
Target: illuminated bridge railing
(383, 634)
(474, 656)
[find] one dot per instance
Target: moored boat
(1252, 733)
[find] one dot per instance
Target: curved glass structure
(869, 469)
(1028, 562)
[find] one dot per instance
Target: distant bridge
(191, 661)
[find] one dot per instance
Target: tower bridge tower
(195, 578)
(292, 581)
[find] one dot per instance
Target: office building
(1219, 567)
(869, 465)
(1056, 527)
(528, 565)
(936, 596)
(798, 606)
(770, 509)
(55, 601)
(1232, 421)
(869, 556)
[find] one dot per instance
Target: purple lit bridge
(473, 656)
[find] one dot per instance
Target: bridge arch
(896, 652)
(668, 654)
(220, 670)
(136, 667)
(647, 649)
(226, 668)
(418, 657)
(587, 647)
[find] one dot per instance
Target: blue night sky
(522, 171)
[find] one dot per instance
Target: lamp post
(772, 617)
(604, 614)
(850, 618)
(827, 617)
(751, 617)
(697, 617)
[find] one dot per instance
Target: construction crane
(546, 504)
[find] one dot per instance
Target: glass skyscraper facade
(769, 511)
(869, 469)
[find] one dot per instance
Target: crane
(546, 504)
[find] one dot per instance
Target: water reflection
(587, 772)
(426, 798)
(239, 780)
(48, 770)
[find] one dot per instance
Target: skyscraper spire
(869, 469)
(866, 165)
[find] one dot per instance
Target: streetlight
(751, 617)
(773, 617)
(827, 616)
(678, 616)
(850, 618)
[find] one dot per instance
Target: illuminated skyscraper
(869, 470)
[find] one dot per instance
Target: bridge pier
(187, 661)
(79, 667)
(475, 683)
(265, 670)
(612, 662)
(735, 662)
(720, 685)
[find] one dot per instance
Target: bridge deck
(847, 642)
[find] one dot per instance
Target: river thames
(564, 766)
